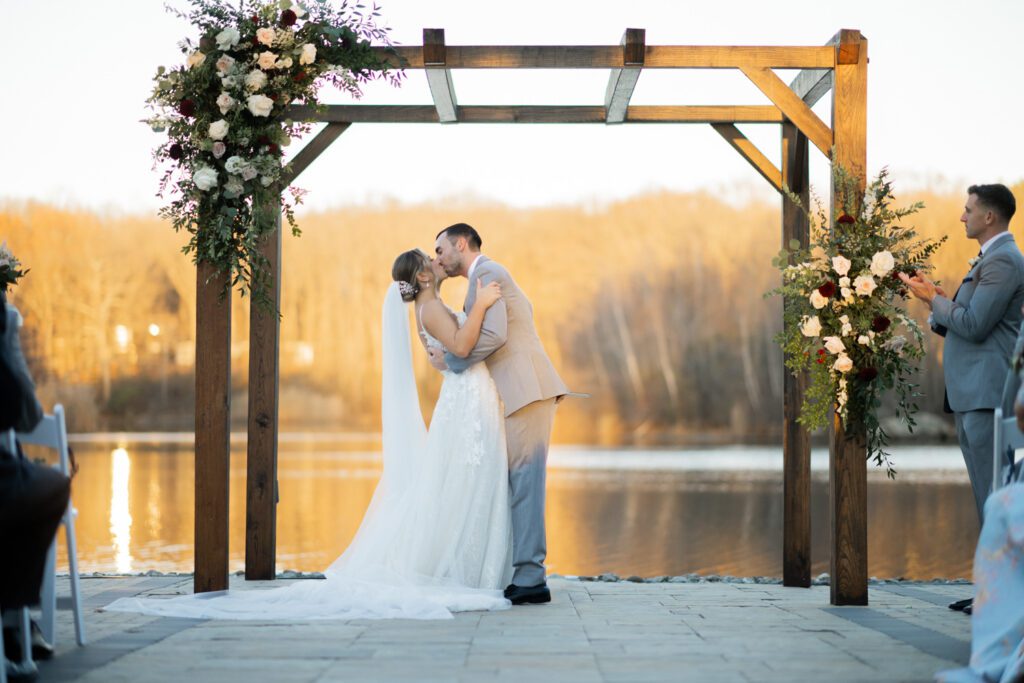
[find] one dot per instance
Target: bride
(436, 537)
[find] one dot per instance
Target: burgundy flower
(175, 151)
(846, 219)
(274, 148)
(255, 19)
(301, 76)
(187, 107)
(263, 140)
(288, 18)
(827, 289)
(207, 44)
(880, 324)
(867, 374)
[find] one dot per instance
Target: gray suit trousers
(528, 432)
(975, 431)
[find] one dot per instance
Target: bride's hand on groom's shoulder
(488, 294)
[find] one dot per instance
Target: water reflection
(627, 521)
(120, 515)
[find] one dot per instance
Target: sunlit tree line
(652, 305)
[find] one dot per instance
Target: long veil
(403, 434)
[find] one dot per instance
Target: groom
(529, 388)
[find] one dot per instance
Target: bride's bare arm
(442, 325)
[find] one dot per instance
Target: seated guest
(33, 497)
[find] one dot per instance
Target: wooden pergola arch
(840, 66)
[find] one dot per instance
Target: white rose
(841, 265)
(265, 36)
(843, 363)
(285, 63)
(864, 285)
(260, 105)
(846, 293)
(195, 59)
(225, 102)
(847, 330)
(817, 300)
(834, 345)
(228, 38)
(299, 11)
(235, 164)
(811, 327)
(248, 172)
(266, 180)
(229, 81)
(205, 178)
(218, 149)
(225, 63)
(844, 282)
(882, 264)
(864, 340)
(218, 129)
(308, 54)
(267, 60)
(255, 80)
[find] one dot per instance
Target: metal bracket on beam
(622, 81)
(439, 77)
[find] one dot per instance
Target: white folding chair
(51, 432)
(1007, 436)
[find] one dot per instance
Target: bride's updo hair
(407, 266)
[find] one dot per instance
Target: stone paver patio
(592, 631)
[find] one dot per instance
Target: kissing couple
(456, 522)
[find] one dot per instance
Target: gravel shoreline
(820, 580)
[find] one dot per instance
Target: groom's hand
(436, 356)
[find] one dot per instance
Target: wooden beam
(847, 443)
(261, 457)
(610, 57)
(796, 442)
(313, 149)
(622, 81)
(749, 151)
(794, 108)
(426, 113)
(213, 428)
(439, 77)
(810, 85)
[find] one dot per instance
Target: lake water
(640, 512)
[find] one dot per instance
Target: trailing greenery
(225, 113)
(844, 317)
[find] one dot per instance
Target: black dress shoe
(534, 595)
(961, 605)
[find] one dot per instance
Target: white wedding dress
(436, 537)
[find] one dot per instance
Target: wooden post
(261, 459)
(796, 445)
(213, 429)
(848, 449)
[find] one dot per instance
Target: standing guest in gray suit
(980, 324)
(529, 388)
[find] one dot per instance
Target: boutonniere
(973, 261)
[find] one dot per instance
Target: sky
(944, 102)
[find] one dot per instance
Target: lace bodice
(432, 342)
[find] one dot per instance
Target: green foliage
(225, 113)
(10, 269)
(844, 319)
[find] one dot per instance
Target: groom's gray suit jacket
(509, 343)
(981, 326)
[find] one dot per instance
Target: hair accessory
(405, 288)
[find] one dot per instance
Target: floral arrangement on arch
(225, 113)
(844, 319)
(10, 268)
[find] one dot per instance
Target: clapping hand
(921, 287)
